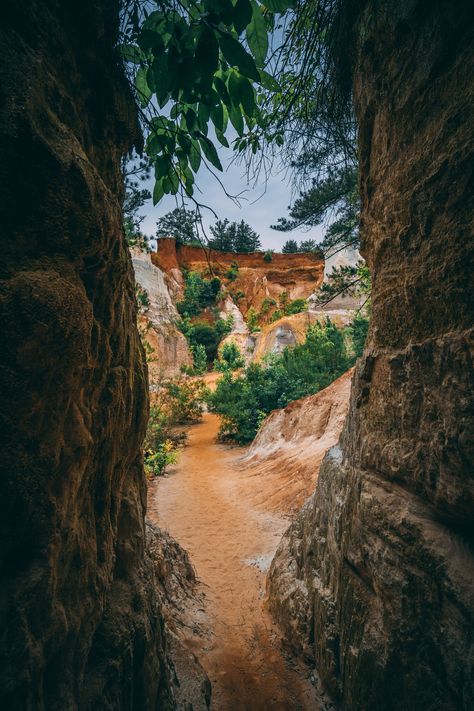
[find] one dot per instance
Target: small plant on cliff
(295, 307)
(230, 358)
(252, 320)
(143, 300)
(143, 330)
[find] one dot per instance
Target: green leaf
(150, 39)
(210, 152)
(204, 113)
(280, 5)
(268, 81)
(222, 139)
(247, 96)
(207, 51)
(195, 156)
(144, 91)
(217, 116)
(236, 56)
(174, 181)
(162, 80)
(158, 192)
(242, 15)
(191, 120)
(257, 36)
(161, 167)
(131, 53)
(222, 90)
(234, 88)
(236, 119)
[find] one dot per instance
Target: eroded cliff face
(159, 321)
(297, 274)
(80, 619)
(381, 556)
(287, 452)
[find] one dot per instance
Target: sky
(260, 206)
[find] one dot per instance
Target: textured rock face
(378, 568)
(81, 626)
(159, 321)
(290, 330)
(297, 274)
(292, 442)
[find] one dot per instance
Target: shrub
(252, 320)
(198, 293)
(207, 335)
(268, 256)
(295, 307)
(230, 358)
(199, 359)
(359, 328)
(143, 299)
(241, 401)
(158, 460)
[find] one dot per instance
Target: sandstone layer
(287, 452)
(374, 580)
(159, 321)
(297, 274)
(81, 622)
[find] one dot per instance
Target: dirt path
(230, 543)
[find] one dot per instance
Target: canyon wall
(256, 280)
(158, 321)
(374, 580)
(81, 624)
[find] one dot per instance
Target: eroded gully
(207, 503)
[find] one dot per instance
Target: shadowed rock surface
(80, 618)
(374, 580)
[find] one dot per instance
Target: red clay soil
(297, 274)
(206, 506)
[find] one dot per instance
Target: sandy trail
(205, 506)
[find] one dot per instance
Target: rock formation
(290, 330)
(158, 321)
(291, 443)
(297, 274)
(374, 580)
(81, 622)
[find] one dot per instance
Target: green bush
(208, 335)
(158, 460)
(199, 359)
(295, 307)
(230, 358)
(359, 328)
(178, 402)
(242, 401)
(268, 256)
(198, 293)
(252, 320)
